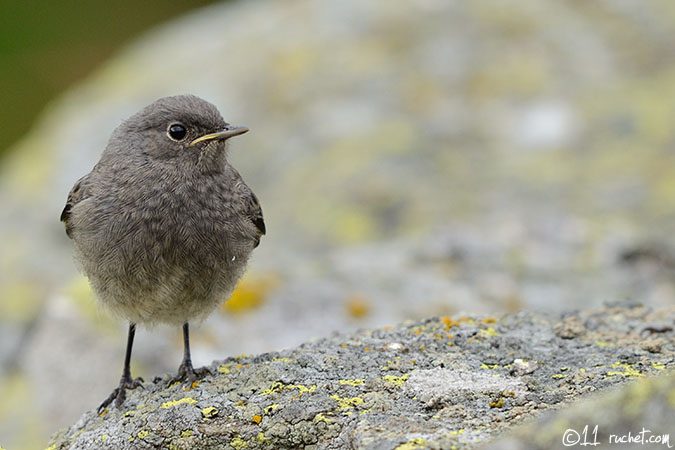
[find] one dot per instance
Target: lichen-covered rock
(412, 161)
(638, 415)
(438, 383)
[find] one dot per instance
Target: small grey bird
(163, 225)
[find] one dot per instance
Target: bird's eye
(177, 132)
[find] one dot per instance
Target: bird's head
(182, 130)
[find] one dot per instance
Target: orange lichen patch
(368, 349)
(358, 307)
(257, 418)
(449, 323)
(250, 293)
(489, 320)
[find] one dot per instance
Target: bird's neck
(212, 160)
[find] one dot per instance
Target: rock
(437, 383)
(436, 157)
(638, 415)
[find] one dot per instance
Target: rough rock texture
(437, 383)
(639, 415)
(412, 161)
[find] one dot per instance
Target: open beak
(221, 135)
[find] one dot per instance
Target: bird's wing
(250, 208)
(78, 193)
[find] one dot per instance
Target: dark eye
(177, 132)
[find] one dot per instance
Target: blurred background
(438, 157)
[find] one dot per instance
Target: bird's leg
(126, 382)
(185, 371)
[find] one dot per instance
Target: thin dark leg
(186, 344)
(185, 371)
(126, 382)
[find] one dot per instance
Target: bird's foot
(119, 394)
(188, 374)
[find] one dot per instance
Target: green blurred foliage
(46, 46)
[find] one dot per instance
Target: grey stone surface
(438, 383)
(444, 156)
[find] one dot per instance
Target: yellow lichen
(225, 368)
(353, 382)
(659, 366)
(558, 376)
(498, 404)
(628, 370)
(261, 438)
(489, 332)
(286, 360)
(186, 433)
(302, 388)
(489, 366)
(279, 386)
(321, 418)
(272, 407)
(346, 403)
(603, 344)
(413, 444)
(169, 404)
(104, 437)
(238, 443)
(396, 381)
(250, 293)
(209, 412)
(143, 434)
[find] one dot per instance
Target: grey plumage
(163, 227)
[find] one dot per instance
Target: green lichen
(169, 404)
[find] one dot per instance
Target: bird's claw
(119, 394)
(188, 374)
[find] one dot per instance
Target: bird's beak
(221, 135)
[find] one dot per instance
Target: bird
(163, 225)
